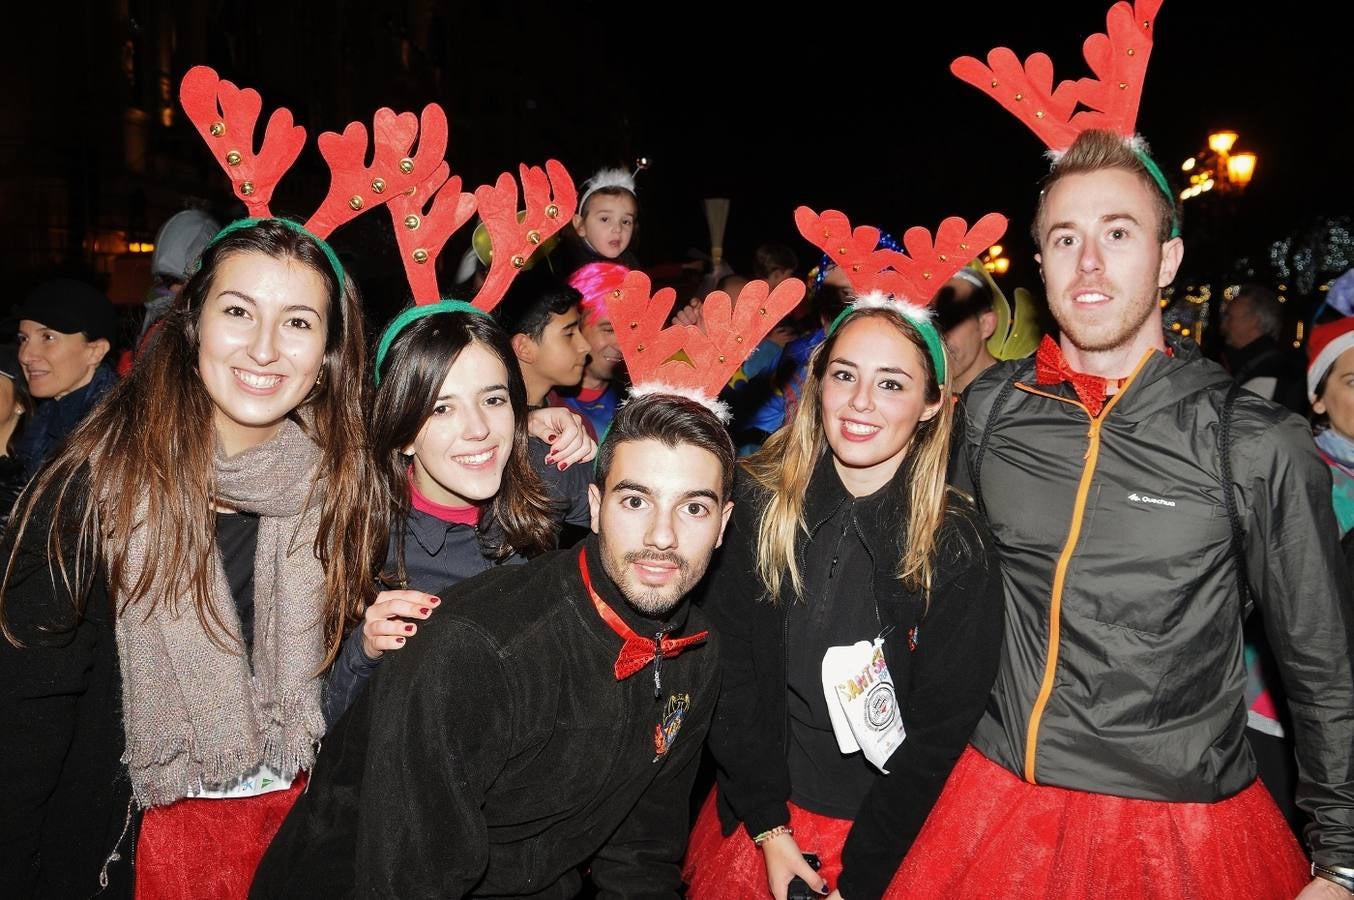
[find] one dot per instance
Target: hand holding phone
(799, 889)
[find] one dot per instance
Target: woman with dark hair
(178, 578)
(859, 607)
(461, 490)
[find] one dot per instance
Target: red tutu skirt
(731, 868)
(200, 848)
(992, 834)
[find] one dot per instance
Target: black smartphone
(799, 888)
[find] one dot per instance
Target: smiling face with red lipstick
(261, 344)
(875, 388)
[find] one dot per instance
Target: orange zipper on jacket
(1065, 559)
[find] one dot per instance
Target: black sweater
(498, 752)
(942, 685)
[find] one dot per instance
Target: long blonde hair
(786, 462)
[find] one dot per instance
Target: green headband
(241, 224)
(413, 314)
(1162, 184)
(919, 320)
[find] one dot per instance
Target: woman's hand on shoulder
(390, 621)
(563, 430)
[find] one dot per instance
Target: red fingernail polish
(423, 609)
(399, 640)
(435, 600)
(550, 438)
(563, 466)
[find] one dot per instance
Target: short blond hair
(1095, 150)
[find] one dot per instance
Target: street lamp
(1218, 168)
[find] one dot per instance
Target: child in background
(603, 226)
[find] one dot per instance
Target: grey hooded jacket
(1123, 672)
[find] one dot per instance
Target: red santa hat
(1328, 341)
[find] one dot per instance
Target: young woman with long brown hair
(859, 608)
(179, 577)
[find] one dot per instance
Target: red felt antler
(732, 331)
(225, 116)
(550, 199)
(914, 276)
(1118, 58)
(356, 187)
(424, 219)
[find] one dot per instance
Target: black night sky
(843, 104)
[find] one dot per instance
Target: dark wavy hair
(519, 519)
(152, 437)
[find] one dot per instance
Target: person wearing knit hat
(66, 329)
(178, 247)
(1330, 385)
(595, 398)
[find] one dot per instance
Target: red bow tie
(636, 652)
(1050, 367)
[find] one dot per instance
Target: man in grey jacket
(1111, 760)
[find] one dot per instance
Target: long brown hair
(786, 462)
(519, 518)
(152, 438)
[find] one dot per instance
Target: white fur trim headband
(604, 179)
(694, 394)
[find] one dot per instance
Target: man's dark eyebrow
(632, 486)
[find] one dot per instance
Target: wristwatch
(1338, 875)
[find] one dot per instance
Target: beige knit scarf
(194, 715)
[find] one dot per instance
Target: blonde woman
(846, 548)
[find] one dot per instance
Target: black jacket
(942, 685)
(1123, 669)
(55, 419)
(66, 797)
(498, 752)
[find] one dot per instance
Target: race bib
(861, 701)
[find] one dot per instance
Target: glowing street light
(1218, 168)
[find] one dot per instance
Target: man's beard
(653, 602)
(1111, 336)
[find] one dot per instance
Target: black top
(237, 538)
(498, 752)
(835, 612)
(67, 801)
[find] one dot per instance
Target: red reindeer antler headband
(682, 359)
(1108, 101)
(225, 116)
(426, 204)
(903, 282)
